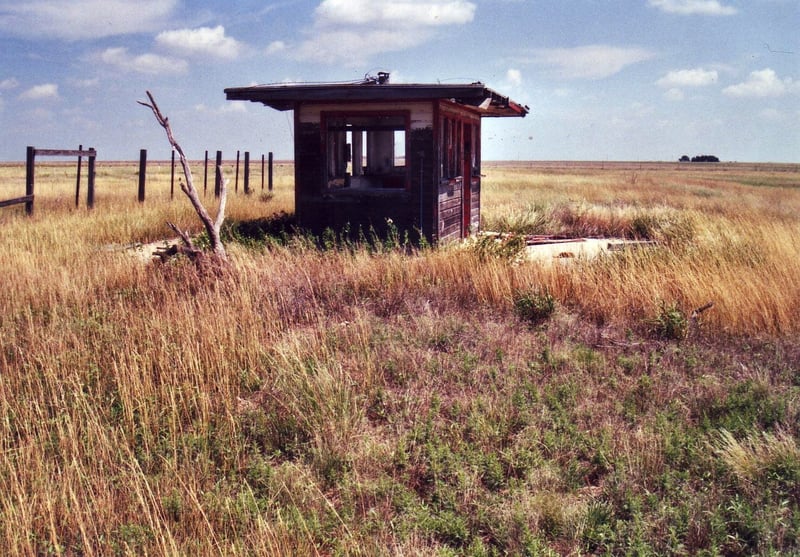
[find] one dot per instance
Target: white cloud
(227, 108)
(692, 7)
(151, 64)
(514, 77)
(697, 77)
(761, 83)
(355, 47)
(8, 84)
(389, 12)
(275, 47)
(87, 19)
(46, 91)
(591, 61)
(203, 41)
(674, 94)
(85, 83)
(352, 31)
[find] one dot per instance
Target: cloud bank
(693, 7)
(87, 19)
(150, 64)
(204, 41)
(697, 77)
(591, 61)
(762, 84)
(46, 91)
(352, 31)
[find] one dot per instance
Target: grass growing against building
(371, 400)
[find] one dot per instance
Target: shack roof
(287, 96)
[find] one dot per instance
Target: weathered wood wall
(450, 212)
(475, 199)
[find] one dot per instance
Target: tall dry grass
(726, 238)
(378, 401)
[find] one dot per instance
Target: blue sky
(605, 80)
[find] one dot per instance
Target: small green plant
(534, 307)
(173, 506)
(670, 322)
(746, 406)
(509, 247)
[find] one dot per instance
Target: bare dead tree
(212, 226)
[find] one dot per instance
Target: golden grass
(730, 237)
(134, 398)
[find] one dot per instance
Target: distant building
(371, 151)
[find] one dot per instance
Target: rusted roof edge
(285, 97)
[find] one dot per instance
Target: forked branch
(212, 226)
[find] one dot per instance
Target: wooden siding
(421, 160)
(475, 215)
(450, 199)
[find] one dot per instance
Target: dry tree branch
(694, 319)
(212, 227)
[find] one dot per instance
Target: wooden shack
(374, 152)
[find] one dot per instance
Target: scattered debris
(144, 252)
(549, 247)
(619, 245)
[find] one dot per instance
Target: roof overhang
(477, 96)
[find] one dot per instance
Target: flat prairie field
(326, 396)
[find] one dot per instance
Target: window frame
(329, 125)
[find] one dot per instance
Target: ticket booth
(372, 152)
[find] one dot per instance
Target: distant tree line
(699, 158)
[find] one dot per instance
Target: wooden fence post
(218, 175)
(142, 173)
(262, 171)
(236, 181)
(78, 179)
(29, 166)
(270, 171)
(247, 172)
(205, 175)
(90, 184)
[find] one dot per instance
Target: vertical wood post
(270, 171)
(262, 171)
(236, 180)
(29, 166)
(90, 180)
(172, 178)
(205, 174)
(218, 175)
(78, 179)
(247, 172)
(142, 173)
